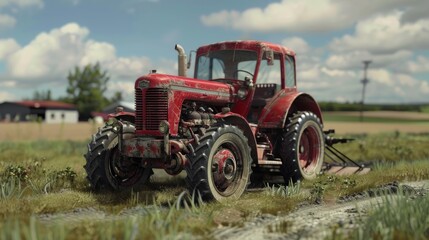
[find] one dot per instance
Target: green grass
(47, 177)
(425, 109)
(386, 147)
(398, 217)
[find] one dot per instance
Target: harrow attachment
(337, 162)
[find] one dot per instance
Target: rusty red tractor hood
(165, 94)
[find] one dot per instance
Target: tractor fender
(283, 105)
(124, 116)
(240, 122)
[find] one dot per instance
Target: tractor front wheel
(219, 167)
(302, 147)
(107, 169)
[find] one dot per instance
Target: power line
(364, 82)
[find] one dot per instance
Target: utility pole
(364, 82)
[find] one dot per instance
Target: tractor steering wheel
(235, 74)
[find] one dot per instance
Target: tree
(117, 97)
(42, 95)
(86, 88)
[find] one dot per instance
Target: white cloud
(6, 96)
(51, 55)
(21, 3)
(308, 74)
(424, 87)
(7, 46)
(421, 65)
(385, 34)
(126, 88)
(301, 15)
(338, 73)
(297, 44)
(7, 84)
(386, 86)
(381, 76)
(416, 11)
(353, 59)
(6, 21)
(97, 52)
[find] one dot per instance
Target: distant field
(377, 122)
(378, 116)
(41, 131)
(342, 122)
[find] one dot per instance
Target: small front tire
(107, 169)
(220, 166)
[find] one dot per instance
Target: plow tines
(339, 163)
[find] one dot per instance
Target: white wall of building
(61, 116)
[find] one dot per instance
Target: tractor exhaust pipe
(181, 60)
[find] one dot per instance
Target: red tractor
(240, 117)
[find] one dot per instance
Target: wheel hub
(308, 149)
(224, 167)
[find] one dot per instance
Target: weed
(397, 217)
(283, 191)
(10, 188)
(16, 172)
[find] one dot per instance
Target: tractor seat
(263, 93)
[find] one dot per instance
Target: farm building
(102, 116)
(128, 107)
(46, 111)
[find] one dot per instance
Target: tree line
(356, 106)
(86, 89)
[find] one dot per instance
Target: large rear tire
(107, 169)
(220, 166)
(302, 147)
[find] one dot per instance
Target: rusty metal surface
(275, 112)
(142, 148)
(178, 89)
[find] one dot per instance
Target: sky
(41, 41)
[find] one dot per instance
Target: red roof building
(34, 110)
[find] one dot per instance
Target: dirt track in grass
(314, 221)
(310, 221)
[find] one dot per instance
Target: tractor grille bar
(156, 104)
(139, 109)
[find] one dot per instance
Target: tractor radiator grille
(156, 104)
(139, 109)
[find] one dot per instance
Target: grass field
(41, 178)
(42, 175)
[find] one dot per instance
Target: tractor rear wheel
(302, 147)
(107, 169)
(220, 166)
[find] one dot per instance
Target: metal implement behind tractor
(239, 118)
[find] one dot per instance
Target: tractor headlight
(164, 127)
(242, 93)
